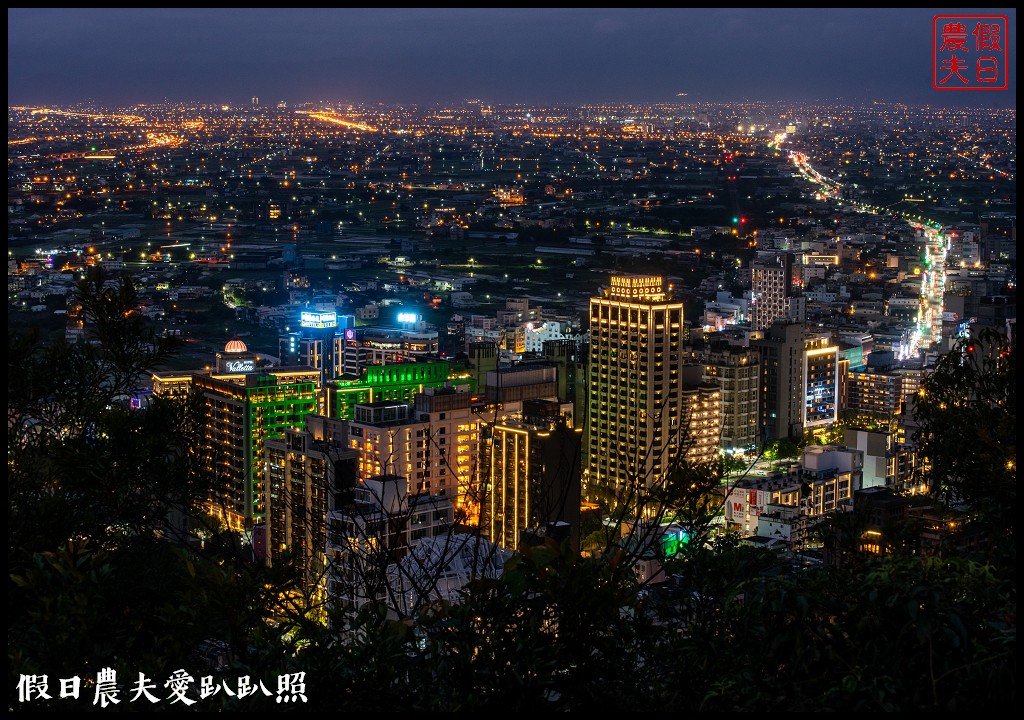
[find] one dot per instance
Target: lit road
(985, 166)
(336, 120)
(933, 277)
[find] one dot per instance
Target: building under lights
(875, 392)
(432, 443)
(701, 408)
(306, 473)
(320, 343)
(241, 413)
(737, 371)
(529, 473)
(398, 383)
(244, 405)
(799, 380)
(368, 346)
(787, 504)
(772, 295)
(635, 424)
(881, 387)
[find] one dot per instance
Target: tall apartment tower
(701, 405)
(771, 282)
(241, 413)
(634, 422)
(737, 370)
(799, 380)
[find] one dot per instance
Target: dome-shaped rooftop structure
(235, 346)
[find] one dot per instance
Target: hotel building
(635, 424)
(243, 406)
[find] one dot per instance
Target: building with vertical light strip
(243, 406)
(241, 414)
(820, 382)
(799, 380)
(634, 422)
(432, 443)
(506, 508)
(530, 473)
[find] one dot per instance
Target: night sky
(502, 56)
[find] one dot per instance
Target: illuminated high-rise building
(701, 409)
(771, 281)
(320, 342)
(635, 424)
(876, 392)
(799, 380)
(530, 473)
(242, 412)
(432, 443)
(244, 405)
(737, 371)
(365, 346)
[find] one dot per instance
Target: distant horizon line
(274, 104)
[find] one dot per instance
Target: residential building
(305, 472)
(799, 380)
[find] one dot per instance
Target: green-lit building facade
(394, 383)
(240, 417)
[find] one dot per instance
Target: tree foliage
(101, 499)
(967, 412)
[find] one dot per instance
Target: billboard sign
(318, 320)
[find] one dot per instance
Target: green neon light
(673, 543)
(391, 382)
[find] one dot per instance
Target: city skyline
(505, 56)
(451, 360)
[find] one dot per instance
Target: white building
(539, 333)
(824, 480)
(438, 568)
